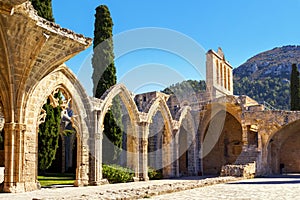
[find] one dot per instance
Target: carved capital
(144, 142)
(15, 127)
(98, 136)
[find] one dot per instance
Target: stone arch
(213, 109)
(282, 150)
(65, 80)
(159, 104)
(131, 132)
(186, 150)
(221, 144)
(5, 75)
(125, 96)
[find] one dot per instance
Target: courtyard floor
(280, 187)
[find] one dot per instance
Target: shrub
(154, 174)
(117, 174)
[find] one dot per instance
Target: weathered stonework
(200, 134)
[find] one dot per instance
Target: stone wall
(246, 171)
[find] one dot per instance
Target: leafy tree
(295, 88)
(104, 76)
(43, 8)
(49, 134)
(274, 91)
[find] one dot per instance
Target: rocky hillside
(273, 63)
(265, 77)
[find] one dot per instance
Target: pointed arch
(126, 97)
(186, 143)
(159, 104)
(221, 142)
(62, 78)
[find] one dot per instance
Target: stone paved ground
(133, 190)
(258, 188)
(287, 187)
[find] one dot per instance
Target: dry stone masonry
(209, 133)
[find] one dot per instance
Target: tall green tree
(295, 88)
(49, 135)
(104, 76)
(43, 8)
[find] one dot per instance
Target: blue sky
(241, 28)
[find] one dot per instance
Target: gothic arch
(221, 143)
(63, 79)
(159, 104)
(126, 97)
(165, 150)
(213, 109)
(186, 143)
(5, 75)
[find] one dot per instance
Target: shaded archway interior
(284, 150)
(155, 142)
(228, 146)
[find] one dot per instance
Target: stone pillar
(96, 153)
(143, 138)
(176, 153)
(14, 154)
(98, 138)
(167, 153)
(244, 135)
(82, 169)
(132, 150)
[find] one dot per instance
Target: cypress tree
(43, 8)
(49, 135)
(104, 76)
(295, 88)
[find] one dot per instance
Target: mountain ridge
(266, 76)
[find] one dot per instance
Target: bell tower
(219, 77)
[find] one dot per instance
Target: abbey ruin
(215, 132)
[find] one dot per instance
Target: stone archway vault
(62, 79)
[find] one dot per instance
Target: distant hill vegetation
(265, 77)
(189, 86)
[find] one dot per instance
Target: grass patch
(56, 179)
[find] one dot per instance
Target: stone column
(176, 153)
(98, 149)
(167, 153)
(244, 135)
(82, 170)
(143, 138)
(133, 151)
(14, 154)
(96, 168)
